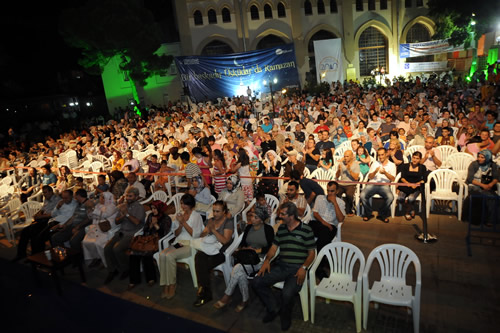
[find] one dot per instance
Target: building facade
(370, 30)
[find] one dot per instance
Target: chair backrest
(176, 199)
(273, 202)
(96, 166)
(6, 181)
(444, 179)
(411, 149)
(323, 174)
(307, 173)
(30, 208)
(12, 205)
(307, 215)
(459, 162)
(446, 151)
(394, 260)
(160, 195)
(341, 149)
(342, 258)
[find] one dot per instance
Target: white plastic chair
(322, 174)
(459, 162)
(445, 152)
(8, 212)
(29, 209)
(307, 217)
(157, 195)
(341, 285)
(444, 180)
(394, 260)
(411, 149)
(338, 236)
(227, 266)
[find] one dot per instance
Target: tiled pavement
(460, 293)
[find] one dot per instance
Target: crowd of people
(235, 154)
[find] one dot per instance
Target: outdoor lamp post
(275, 80)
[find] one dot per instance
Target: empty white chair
(157, 195)
(29, 209)
(445, 152)
(459, 162)
(9, 211)
(342, 284)
(444, 180)
(394, 260)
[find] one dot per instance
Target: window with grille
(371, 4)
(212, 16)
(420, 3)
(359, 5)
(383, 4)
(198, 18)
(308, 9)
(407, 3)
(226, 15)
(372, 51)
(281, 10)
(333, 6)
(268, 12)
(254, 12)
(416, 34)
(321, 7)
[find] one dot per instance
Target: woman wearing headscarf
(157, 223)
(482, 178)
(201, 194)
(339, 136)
(233, 195)
(257, 236)
(97, 235)
(270, 167)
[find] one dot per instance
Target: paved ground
(459, 292)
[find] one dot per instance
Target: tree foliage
(103, 29)
(454, 17)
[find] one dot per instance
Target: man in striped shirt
(295, 241)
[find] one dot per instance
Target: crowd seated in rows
(329, 156)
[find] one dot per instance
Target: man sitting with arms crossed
(295, 240)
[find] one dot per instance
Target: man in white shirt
(431, 156)
(381, 171)
(133, 182)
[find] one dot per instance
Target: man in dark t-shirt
(311, 188)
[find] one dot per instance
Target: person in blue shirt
(48, 177)
(266, 126)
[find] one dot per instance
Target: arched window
(216, 47)
(321, 7)
(270, 41)
(371, 4)
(333, 6)
(359, 5)
(383, 4)
(254, 12)
(281, 10)
(308, 9)
(268, 11)
(416, 34)
(198, 18)
(212, 16)
(372, 51)
(226, 15)
(420, 3)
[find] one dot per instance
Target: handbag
(247, 257)
(144, 245)
(104, 226)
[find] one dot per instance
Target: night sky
(32, 52)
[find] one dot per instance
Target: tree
(463, 21)
(104, 29)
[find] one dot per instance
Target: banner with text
(210, 77)
(430, 66)
(328, 56)
(427, 48)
